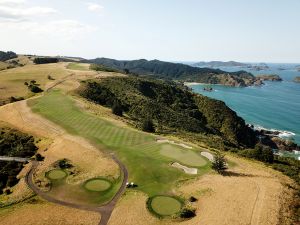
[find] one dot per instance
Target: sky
(170, 30)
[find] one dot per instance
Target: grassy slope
(139, 151)
(12, 80)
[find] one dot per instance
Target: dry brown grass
(252, 194)
(38, 212)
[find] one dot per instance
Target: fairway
(56, 174)
(187, 157)
(139, 151)
(97, 184)
(165, 205)
(78, 66)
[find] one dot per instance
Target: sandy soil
(252, 194)
(90, 161)
(39, 212)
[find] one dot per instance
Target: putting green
(98, 184)
(56, 174)
(165, 205)
(185, 156)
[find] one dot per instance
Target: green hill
(172, 107)
(178, 71)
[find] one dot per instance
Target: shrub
(188, 213)
(219, 163)
(39, 157)
(117, 109)
(148, 126)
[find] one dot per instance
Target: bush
(64, 164)
(117, 109)
(39, 157)
(188, 213)
(148, 126)
(34, 88)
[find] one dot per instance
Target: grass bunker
(97, 185)
(56, 174)
(162, 205)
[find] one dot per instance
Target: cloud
(22, 12)
(60, 29)
(11, 2)
(94, 7)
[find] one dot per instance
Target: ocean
(275, 105)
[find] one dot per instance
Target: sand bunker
(208, 155)
(185, 168)
(174, 143)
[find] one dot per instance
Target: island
(297, 79)
(269, 77)
(220, 64)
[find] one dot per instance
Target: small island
(297, 79)
(269, 77)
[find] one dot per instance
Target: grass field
(12, 80)
(165, 205)
(78, 66)
(139, 151)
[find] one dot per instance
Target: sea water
(275, 105)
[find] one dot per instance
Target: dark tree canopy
(45, 60)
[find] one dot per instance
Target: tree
(148, 126)
(117, 109)
(39, 157)
(219, 163)
(126, 71)
(188, 213)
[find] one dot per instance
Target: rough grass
(140, 152)
(78, 66)
(97, 184)
(165, 205)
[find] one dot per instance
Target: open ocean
(275, 105)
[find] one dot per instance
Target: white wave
(282, 133)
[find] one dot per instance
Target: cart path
(104, 210)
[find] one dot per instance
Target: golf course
(147, 161)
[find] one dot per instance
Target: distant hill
(178, 71)
(220, 64)
(171, 106)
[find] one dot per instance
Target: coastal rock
(269, 77)
(297, 79)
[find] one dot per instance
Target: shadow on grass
(235, 174)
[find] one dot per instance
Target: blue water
(275, 105)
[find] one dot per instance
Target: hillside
(177, 71)
(172, 107)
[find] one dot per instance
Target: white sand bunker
(174, 143)
(208, 155)
(185, 168)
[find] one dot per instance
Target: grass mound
(56, 174)
(187, 157)
(165, 205)
(97, 184)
